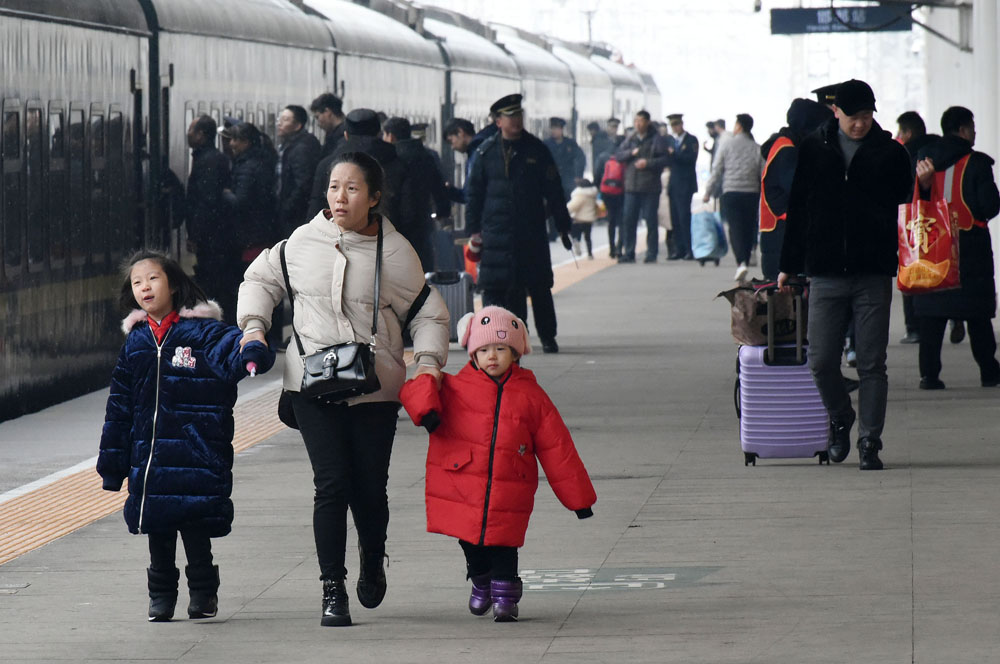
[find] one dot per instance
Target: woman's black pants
(349, 449)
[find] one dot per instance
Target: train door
(98, 185)
(34, 189)
(11, 218)
(57, 186)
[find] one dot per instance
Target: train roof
(585, 73)
(358, 30)
(532, 55)
(647, 80)
(619, 73)
(113, 14)
(469, 44)
(272, 21)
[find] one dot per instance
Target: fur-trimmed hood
(209, 309)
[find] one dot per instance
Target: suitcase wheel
(701, 261)
(824, 457)
(716, 262)
(749, 459)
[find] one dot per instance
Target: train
(97, 95)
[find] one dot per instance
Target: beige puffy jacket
(332, 276)
(582, 204)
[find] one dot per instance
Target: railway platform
(691, 556)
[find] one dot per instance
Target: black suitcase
(456, 289)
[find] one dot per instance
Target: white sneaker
(741, 273)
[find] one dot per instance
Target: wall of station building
(970, 79)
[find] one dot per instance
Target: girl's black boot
(162, 593)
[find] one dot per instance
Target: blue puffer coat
(169, 422)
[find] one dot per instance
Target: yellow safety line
(72, 502)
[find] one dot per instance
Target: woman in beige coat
(331, 269)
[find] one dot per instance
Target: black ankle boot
(371, 578)
(162, 593)
(336, 607)
(868, 448)
(203, 583)
(840, 439)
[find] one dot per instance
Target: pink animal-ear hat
(493, 325)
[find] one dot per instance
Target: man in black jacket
(328, 110)
(644, 154)
(208, 224)
(423, 190)
(966, 178)
(298, 153)
(841, 231)
(512, 182)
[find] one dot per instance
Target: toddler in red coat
(490, 425)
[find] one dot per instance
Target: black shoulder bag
(344, 370)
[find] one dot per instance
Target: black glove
(566, 241)
(431, 421)
(585, 513)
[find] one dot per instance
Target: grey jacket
(332, 275)
(738, 163)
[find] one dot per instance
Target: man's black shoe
(868, 448)
(550, 346)
(689, 257)
(910, 338)
(649, 259)
(990, 382)
(931, 384)
(626, 259)
(674, 257)
(957, 332)
(840, 440)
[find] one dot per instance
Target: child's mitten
(259, 354)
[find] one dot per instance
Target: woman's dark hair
(245, 131)
(372, 171)
(185, 292)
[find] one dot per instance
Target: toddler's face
(495, 359)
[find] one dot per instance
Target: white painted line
(89, 464)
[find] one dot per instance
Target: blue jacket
(169, 421)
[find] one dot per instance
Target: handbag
(759, 313)
(928, 245)
(341, 371)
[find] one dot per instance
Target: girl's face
(349, 198)
(239, 146)
(151, 289)
(495, 359)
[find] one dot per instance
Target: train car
(653, 102)
(73, 82)
(546, 81)
(627, 90)
(383, 64)
(592, 95)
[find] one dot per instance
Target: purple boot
(506, 595)
(480, 599)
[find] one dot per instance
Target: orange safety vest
(769, 220)
(950, 181)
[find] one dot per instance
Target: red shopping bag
(928, 245)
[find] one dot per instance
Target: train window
(35, 191)
(238, 111)
(188, 119)
(116, 180)
(271, 127)
(217, 116)
(11, 135)
(261, 118)
(55, 187)
(78, 210)
(12, 188)
(98, 187)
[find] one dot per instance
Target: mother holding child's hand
(331, 270)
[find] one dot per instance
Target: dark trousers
(833, 301)
(770, 251)
(981, 340)
(219, 274)
(640, 205)
(740, 208)
(163, 549)
(515, 300)
(500, 562)
(349, 449)
(582, 229)
(909, 315)
(680, 221)
(616, 208)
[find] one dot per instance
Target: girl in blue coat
(169, 426)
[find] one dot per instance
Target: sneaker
(868, 448)
(741, 273)
(931, 384)
(910, 338)
(840, 439)
(957, 332)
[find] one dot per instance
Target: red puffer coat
(481, 467)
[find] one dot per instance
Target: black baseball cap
(854, 96)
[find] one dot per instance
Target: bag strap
(417, 305)
(378, 289)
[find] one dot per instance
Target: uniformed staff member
(513, 180)
(570, 159)
(682, 187)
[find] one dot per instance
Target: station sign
(842, 19)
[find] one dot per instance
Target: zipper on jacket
(493, 449)
(156, 411)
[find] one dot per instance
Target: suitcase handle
(797, 305)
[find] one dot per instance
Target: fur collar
(209, 309)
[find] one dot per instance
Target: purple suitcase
(781, 413)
